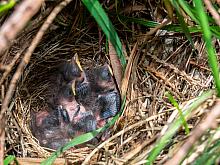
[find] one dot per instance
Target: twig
(154, 30)
(165, 81)
(116, 65)
(177, 71)
(128, 69)
(2, 139)
(138, 149)
(196, 134)
(9, 67)
(213, 12)
(17, 21)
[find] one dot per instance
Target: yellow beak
(77, 61)
(110, 70)
(73, 86)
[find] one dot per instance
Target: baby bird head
(72, 70)
(103, 78)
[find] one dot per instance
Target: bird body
(105, 91)
(48, 125)
(81, 101)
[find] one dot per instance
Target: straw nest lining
(166, 63)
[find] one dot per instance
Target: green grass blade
(9, 159)
(174, 127)
(6, 6)
(139, 21)
(210, 155)
(191, 11)
(175, 104)
(171, 27)
(207, 36)
(103, 21)
(215, 31)
(188, 9)
(78, 140)
(182, 23)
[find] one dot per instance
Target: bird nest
(165, 63)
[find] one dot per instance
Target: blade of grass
(207, 36)
(188, 9)
(216, 31)
(166, 138)
(171, 27)
(182, 23)
(191, 11)
(5, 7)
(210, 155)
(103, 21)
(9, 159)
(175, 104)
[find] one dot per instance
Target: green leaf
(9, 159)
(174, 102)
(188, 9)
(7, 6)
(170, 27)
(103, 21)
(207, 36)
(183, 24)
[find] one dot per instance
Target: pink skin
(40, 116)
(71, 108)
(53, 137)
(48, 137)
(100, 122)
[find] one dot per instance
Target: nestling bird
(106, 93)
(66, 99)
(53, 130)
(73, 72)
(109, 104)
(101, 79)
(81, 101)
(69, 72)
(68, 119)
(48, 126)
(100, 94)
(81, 119)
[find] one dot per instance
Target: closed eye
(105, 74)
(68, 92)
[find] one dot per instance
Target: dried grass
(167, 62)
